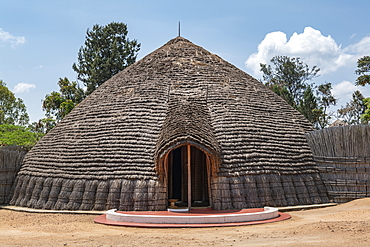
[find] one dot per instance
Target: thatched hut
(180, 123)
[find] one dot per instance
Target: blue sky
(40, 39)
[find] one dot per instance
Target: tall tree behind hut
(12, 110)
(325, 99)
(354, 109)
(106, 52)
(58, 104)
(363, 70)
(290, 79)
(366, 116)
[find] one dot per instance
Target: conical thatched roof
(108, 151)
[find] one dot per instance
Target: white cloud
(316, 49)
(311, 46)
(361, 48)
(23, 87)
(9, 38)
(344, 89)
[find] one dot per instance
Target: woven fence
(10, 162)
(343, 158)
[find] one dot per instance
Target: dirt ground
(343, 225)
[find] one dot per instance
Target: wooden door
(178, 176)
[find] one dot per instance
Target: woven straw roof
(179, 93)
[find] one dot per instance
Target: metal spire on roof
(179, 29)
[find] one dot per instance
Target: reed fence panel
(10, 162)
(343, 158)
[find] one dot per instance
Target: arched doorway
(180, 183)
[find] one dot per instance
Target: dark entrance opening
(178, 177)
(176, 174)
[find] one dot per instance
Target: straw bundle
(101, 195)
(63, 198)
(88, 198)
(75, 199)
(44, 195)
(54, 193)
(114, 193)
(250, 190)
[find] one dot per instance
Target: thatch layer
(343, 158)
(187, 120)
(180, 93)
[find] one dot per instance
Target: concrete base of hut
(192, 218)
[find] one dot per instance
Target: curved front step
(192, 218)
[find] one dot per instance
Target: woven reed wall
(10, 162)
(85, 194)
(267, 190)
(343, 158)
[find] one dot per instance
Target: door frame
(210, 169)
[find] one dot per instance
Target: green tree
(366, 116)
(43, 126)
(351, 113)
(308, 105)
(289, 78)
(58, 104)
(325, 99)
(12, 109)
(106, 52)
(363, 65)
(315, 104)
(11, 135)
(283, 92)
(363, 70)
(291, 74)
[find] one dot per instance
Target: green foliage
(290, 73)
(366, 116)
(309, 105)
(351, 113)
(283, 92)
(107, 51)
(11, 135)
(12, 109)
(315, 103)
(357, 111)
(58, 104)
(325, 99)
(289, 78)
(44, 125)
(363, 65)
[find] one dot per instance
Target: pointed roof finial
(179, 29)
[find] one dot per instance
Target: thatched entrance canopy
(110, 151)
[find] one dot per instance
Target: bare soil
(343, 225)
